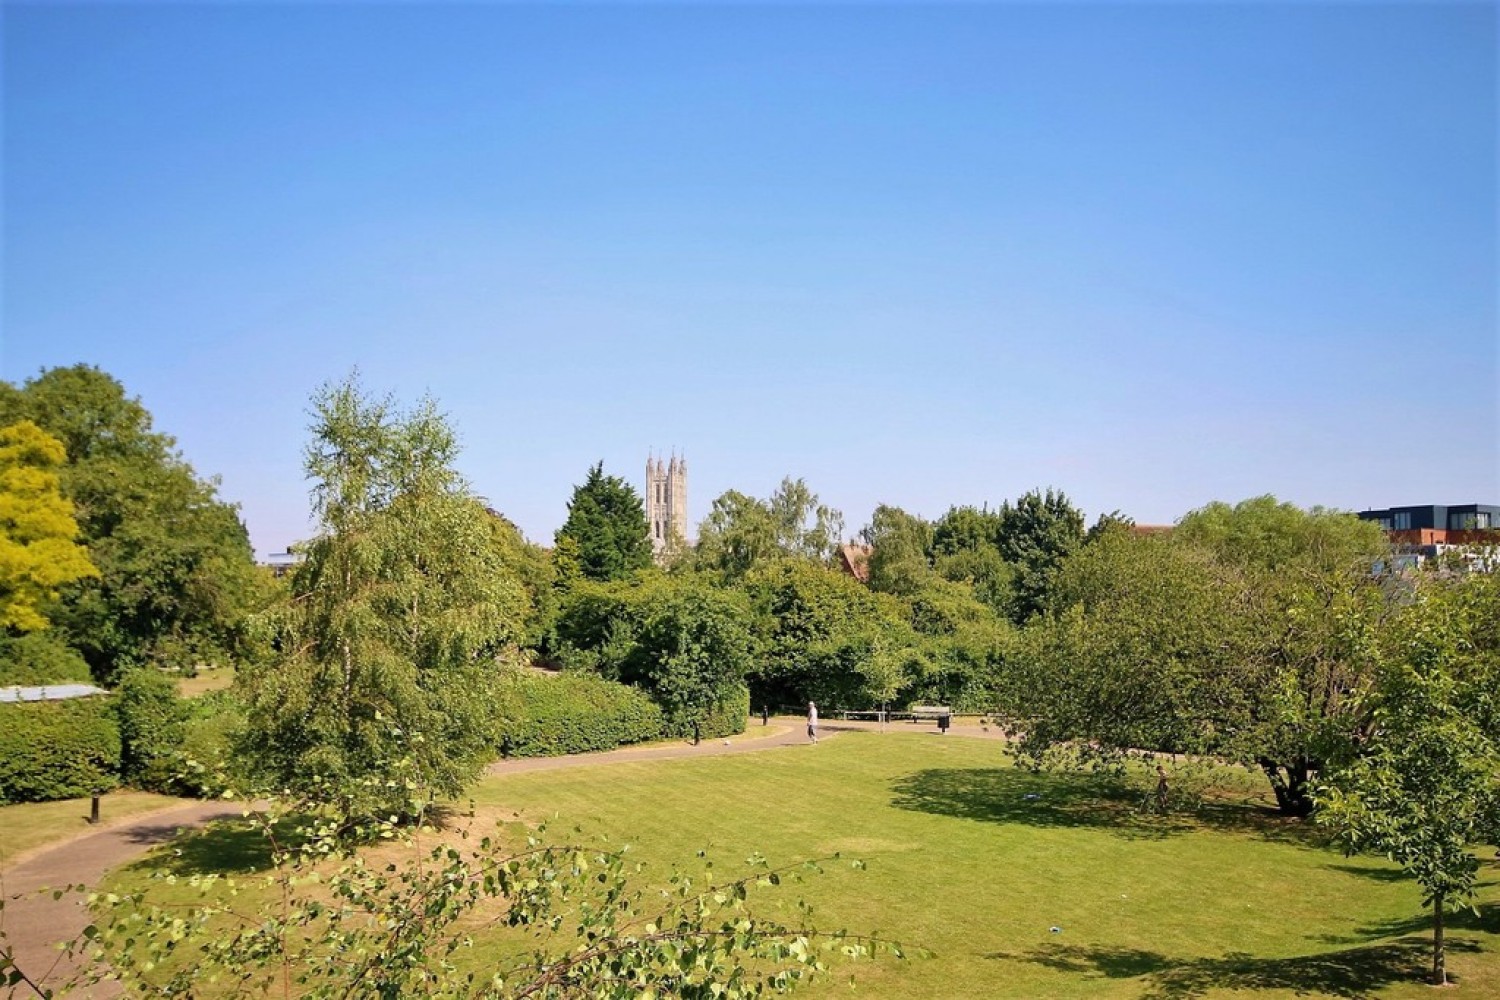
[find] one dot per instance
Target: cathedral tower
(666, 504)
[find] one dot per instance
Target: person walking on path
(812, 722)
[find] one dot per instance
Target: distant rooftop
(854, 559)
(49, 692)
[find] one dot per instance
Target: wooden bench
(930, 712)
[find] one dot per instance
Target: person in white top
(812, 722)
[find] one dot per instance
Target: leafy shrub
(58, 750)
(681, 639)
(544, 716)
(206, 760)
(152, 719)
(726, 718)
(38, 658)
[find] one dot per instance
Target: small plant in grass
(333, 917)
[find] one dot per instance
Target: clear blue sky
(1154, 255)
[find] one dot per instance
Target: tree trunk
(1290, 783)
(1439, 958)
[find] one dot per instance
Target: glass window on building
(1403, 520)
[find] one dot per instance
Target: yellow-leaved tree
(38, 553)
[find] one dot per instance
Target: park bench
(942, 713)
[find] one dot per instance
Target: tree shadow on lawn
(235, 845)
(1352, 973)
(224, 847)
(1485, 921)
(1072, 799)
(1373, 874)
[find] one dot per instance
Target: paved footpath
(35, 922)
(781, 732)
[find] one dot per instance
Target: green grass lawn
(205, 680)
(977, 862)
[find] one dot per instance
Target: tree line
(1257, 633)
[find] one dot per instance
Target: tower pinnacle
(666, 504)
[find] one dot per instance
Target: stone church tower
(666, 504)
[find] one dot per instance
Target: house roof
(855, 560)
(49, 692)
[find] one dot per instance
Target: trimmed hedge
(546, 716)
(58, 749)
(152, 728)
(727, 718)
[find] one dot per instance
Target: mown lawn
(978, 862)
(204, 681)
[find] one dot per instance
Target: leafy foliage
(966, 549)
(691, 653)
(1266, 534)
(530, 565)
(1310, 598)
(680, 639)
(176, 577)
(1424, 788)
(900, 544)
(607, 527)
(345, 927)
(38, 553)
(152, 729)
(1191, 644)
(1035, 535)
(545, 716)
(1142, 650)
(58, 750)
(394, 618)
(206, 761)
(742, 532)
(819, 633)
(965, 649)
(39, 658)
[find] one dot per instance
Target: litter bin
(943, 722)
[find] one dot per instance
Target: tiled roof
(855, 560)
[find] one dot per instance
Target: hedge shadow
(1351, 973)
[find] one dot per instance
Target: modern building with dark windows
(1430, 530)
(1437, 517)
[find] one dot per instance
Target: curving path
(34, 922)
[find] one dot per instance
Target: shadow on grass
(1373, 874)
(224, 847)
(1351, 973)
(1071, 799)
(1486, 920)
(236, 845)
